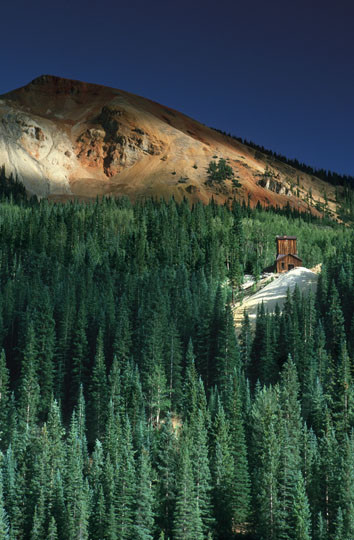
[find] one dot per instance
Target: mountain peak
(67, 138)
(59, 85)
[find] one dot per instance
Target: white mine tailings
(275, 293)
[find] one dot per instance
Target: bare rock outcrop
(275, 186)
(113, 145)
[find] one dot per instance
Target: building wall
(286, 246)
(286, 261)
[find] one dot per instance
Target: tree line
(331, 177)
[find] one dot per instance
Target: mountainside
(65, 138)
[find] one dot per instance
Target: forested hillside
(128, 407)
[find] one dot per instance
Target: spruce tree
(98, 392)
(166, 466)
(173, 365)
(125, 487)
(190, 389)
(223, 472)
(302, 515)
(52, 530)
(4, 398)
(197, 434)
(241, 484)
(45, 343)
(29, 391)
(4, 521)
(80, 354)
(143, 527)
(264, 465)
(246, 343)
(187, 523)
(76, 488)
(289, 436)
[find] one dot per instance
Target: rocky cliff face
(113, 146)
(67, 139)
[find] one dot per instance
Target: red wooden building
(287, 257)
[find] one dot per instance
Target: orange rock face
(65, 139)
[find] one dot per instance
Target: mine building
(287, 257)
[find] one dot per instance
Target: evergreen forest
(129, 407)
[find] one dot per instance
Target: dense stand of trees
(129, 409)
(332, 177)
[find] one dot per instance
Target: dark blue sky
(278, 73)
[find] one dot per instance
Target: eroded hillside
(65, 138)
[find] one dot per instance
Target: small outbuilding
(287, 257)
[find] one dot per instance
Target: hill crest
(65, 138)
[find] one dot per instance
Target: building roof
(287, 255)
(286, 237)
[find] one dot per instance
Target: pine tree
(346, 485)
(289, 438)
(80, 354)
(228, 356)
(64, 321)
(76, 489)
(334, 324)
(4, 521)
(197, 434)
(115, 385)
(343, 395)
(320, 531)
(55, 432)
(158, 394)
(223, 472)
(59, 510)
(98, 392)
(143, 526)
(246, 343)
(45, 344)
(201, 344)
(111, 528)
(259, 345)
(98, 518)
(339, 526)
(173, 367)
(187, 523)
(125, 488)
(37, 530)
(190, 389)
(29, 391)
(329, 473)
(241, 484)
(133, 399)
(4, 397)
(265, 463)
(14, 489)
(52, 530)
(302, 515)
(166, 466)
(123, 340)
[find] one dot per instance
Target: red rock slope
(66, 138)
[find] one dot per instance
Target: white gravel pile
(275, 292)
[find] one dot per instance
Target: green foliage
(190, 431)
(187, 524)
(10, 187)
(219, 171)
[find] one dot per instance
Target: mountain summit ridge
(65, 138)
